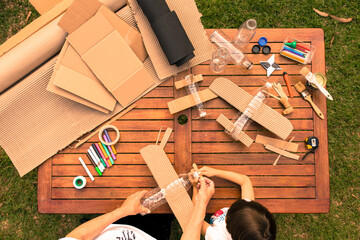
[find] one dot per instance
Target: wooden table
(290, 187)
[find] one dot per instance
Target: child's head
(250, 220)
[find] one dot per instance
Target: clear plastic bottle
(245, 33)
(220, 58)
(156, 197)
(252, 108)
(222, 40)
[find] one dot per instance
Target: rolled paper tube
(169, 31)
(292, 56)
(101, 131)
(294, 51)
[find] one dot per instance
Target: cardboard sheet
(42, 6)
(189, 17)
(35, 123)
(35, 49)
(72, 74)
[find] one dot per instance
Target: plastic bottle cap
(266, 49)
(262, 41)
(255, 49)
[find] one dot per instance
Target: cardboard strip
(185, 102)
(237, 135)
(278, 157)
(240, 99)
(183, 83)
(293, 147)
(164, 174)
(282, 152)
(42, 6)
(166, 137)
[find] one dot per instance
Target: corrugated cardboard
(35, 123)
(36, 45)
(189, 17)
(42, 6)
(98, 37)
(41, 122)
(72, 74)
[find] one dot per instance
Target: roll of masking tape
(102, 131)
(79, 182)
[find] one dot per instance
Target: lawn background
(19, 218)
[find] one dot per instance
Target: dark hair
(250, 221)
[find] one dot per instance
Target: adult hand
(208, 171)
(132, 205)
(205, 192)
(193, 177)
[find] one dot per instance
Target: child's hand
(208, 171)
(193, 177)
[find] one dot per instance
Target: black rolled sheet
(168, 30)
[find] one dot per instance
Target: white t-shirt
(217, 229)
(119, 232)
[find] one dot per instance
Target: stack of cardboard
(102, 68)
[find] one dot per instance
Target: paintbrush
(300, 87)
(311, 79)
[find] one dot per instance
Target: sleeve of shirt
(68, 238)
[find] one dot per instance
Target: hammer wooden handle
(316, 109)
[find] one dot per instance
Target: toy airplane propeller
(270, 65)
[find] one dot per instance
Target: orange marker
(288, 85)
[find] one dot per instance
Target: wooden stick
(277, 159)
(158, 137)
(272, 95)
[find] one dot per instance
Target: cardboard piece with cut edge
(98, 37)
(72, 74)
(164, 174)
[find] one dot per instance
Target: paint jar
(220, 59)
(245, 33)
(157, 197)
(297, 50)
(320, 78)
(222, 40)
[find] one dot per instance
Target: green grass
(20, 219)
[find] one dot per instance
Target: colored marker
(99, 155)
(108, 153)
(109, 147)
(100, 166)
(97, 158)
(109, 140)
(294, 51)
(93, 163)
(86, 169)
(104, 152)
(288, 84)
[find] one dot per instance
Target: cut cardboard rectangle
(188, 101)
(183, 83)
(238, 135)
(282, 152)
(72, 74)
(110, 58)
(42, 6)
(189, 17)
(240, 99)
(164, 174)
(293, 147)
